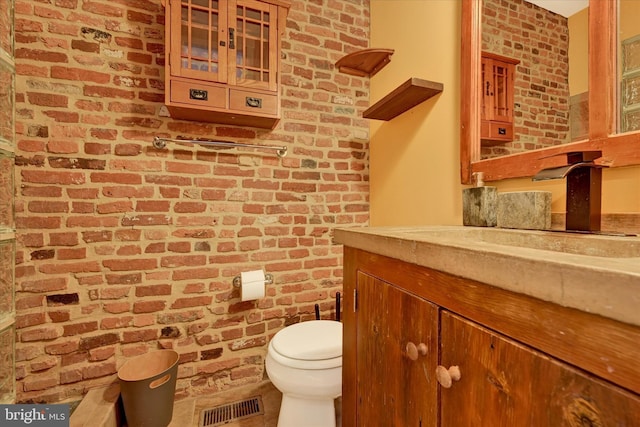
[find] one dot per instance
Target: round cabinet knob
(446, 377)
(414, 351)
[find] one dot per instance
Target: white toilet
(304, 362)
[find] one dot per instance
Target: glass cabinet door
(7, 113)
(501, 108)
(6, 25)
(255, 34)
(200, 51)
(497, 90)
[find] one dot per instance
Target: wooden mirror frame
(617, 150)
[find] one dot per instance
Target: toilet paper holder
(268, 280)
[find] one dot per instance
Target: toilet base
(296, 412)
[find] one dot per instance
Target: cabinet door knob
(446, 376)
(414, 351)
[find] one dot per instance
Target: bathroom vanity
(543, 327)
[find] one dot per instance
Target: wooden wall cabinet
(223, 60)
(496, 124)
(522, 361)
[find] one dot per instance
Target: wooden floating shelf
(364, 63)
(406, 96)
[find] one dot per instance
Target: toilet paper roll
(252, 285)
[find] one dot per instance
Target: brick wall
(540, 40)
(123, 248)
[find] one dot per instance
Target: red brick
(115, 207)
(99, 8)
(76, 358)
(116, 307)
(194, 288)
(35, 384)
(196, 273)
(50, 177)
(98, 370)
(103, 353)
(43, 363)
(58, 72)
(83, 207)
(62, 347)
(70, 376)
(59, 316)
(63, 239)
(107, 92)
(32, 319)
(132, 192)
(39, 334)
(65, 268)
(79, 328)
(130, 264)
(142, 320)
(114, 292)
(129, 42)
(148, 306)
(211, 368)
(44, 285)
(40, 55)
(191, 302)
(116, 322)
(255, 329)
(63, 116)
(190, 207)
(24, 302)
(153, 290)
(152, 206)
(141, 335)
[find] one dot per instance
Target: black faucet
(584, 189)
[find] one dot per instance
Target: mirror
(617, 149)
(548, 93)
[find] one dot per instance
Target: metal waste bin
(148, 386)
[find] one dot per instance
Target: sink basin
(599, 245)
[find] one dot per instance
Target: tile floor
(186, 413)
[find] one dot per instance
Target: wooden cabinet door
(504, 383)
(392, 389)
(497, 89)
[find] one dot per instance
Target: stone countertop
(594, 273)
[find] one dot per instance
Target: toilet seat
(316, 344)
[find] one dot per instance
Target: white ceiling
(565, 8)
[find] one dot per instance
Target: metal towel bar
(161, 143)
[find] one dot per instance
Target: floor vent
(224, 414)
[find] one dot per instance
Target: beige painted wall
(415, 157)
(629, 22)
(578, 52)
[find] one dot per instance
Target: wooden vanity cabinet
(522, 361)
(223, 59)
(498, 74)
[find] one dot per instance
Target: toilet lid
(312, 340)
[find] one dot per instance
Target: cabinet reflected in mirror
(603, 90)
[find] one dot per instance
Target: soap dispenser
(479, 204)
